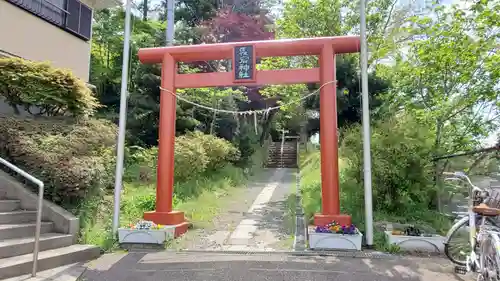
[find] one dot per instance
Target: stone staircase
(58, 233)
(287, 160)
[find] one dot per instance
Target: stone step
(68, 272)
(7, 205)
(18, 265)
(21, 246)
(17, 217)
(22, 230)
(282, 166)
(284, 155)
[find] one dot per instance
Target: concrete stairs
(287, 160)
(17, 229)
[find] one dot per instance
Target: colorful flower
(334, 227)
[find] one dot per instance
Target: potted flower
(146, 232)
(335, 236)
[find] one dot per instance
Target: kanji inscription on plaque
(244, 63)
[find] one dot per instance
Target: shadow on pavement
(259, 267)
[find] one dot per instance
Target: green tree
(448, 74)
(305, 18)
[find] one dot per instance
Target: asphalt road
(264, 267)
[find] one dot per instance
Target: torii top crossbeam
(266, 48)
(260, 49)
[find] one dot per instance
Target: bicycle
(483, 242)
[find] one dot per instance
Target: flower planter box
(334, 241)
(433, 243)
(146, 236)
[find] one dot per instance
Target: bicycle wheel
(489, 258)
(457, 247)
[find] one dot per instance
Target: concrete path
(265, 267)
(254, 220)
(263, 223)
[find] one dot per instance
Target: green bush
(401, 162)
(248, 143)
(37, 85)
(195, 153)
(140, 164)
(70, 156)
(401, 175)
(190, 158)
(219, 151)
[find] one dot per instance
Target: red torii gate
(243, 55)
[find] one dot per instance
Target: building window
(71, 15)
(79, 18)
(53, 9)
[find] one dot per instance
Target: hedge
(70, 156)
(41, 89)
(402, 166)
(219, 152)
(195, 153)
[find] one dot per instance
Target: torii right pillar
(330, 192)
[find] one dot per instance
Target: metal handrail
(298, 153)
(38, 211)
(282, 147)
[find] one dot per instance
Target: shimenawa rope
(248, 112)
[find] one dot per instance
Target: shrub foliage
(41, 89)
(195, 153)
(401, 162)
(69, 156)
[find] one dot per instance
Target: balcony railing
(70, 15)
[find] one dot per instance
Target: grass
(137, 198)
(201, 210)
(290, 218)
(352, 202)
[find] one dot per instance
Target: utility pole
(366, 129)
(120, 147)
(170, 22)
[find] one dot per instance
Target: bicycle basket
(493, 200)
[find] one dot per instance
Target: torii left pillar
(243, 56)
(166, 150)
